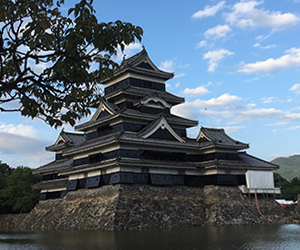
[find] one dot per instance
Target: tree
(51, 64)
(5, 172)
(18, 196)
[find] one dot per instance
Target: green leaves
(16, 194)
(46, 58)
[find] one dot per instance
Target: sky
(236, 63)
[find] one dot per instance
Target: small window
(103, 130)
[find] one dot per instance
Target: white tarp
(260, 179)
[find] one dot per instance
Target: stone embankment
(127, 207)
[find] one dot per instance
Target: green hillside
(289, 166)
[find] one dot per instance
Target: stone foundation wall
(126, 207)
(11, 221)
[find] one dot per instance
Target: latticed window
(103, 130)
(95, 158)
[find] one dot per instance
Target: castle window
(103, 130)
(95, 158)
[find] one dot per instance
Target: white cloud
(249, 113)
(232, 129)
(292, 117)
(167, 65)
(23, 150)
(168, 85)
(217, 32)
(197, 91)
(296, 88)
(294, 128)
(177, 85)
(291, 59)
(261, 38)
(179, 75)
(287, 119)
(205, 107)
(269, 99)
(257, 45)
(209, 10)
(23, 130)
(215, 57)
(129, 51)
(201, 44)
(245, 15)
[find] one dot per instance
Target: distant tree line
(289, 189)
(16, 193)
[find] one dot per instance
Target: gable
(162, 134)
(104, 110)
(202, 137)
(160, 127)
(145, 65)
(155, 102)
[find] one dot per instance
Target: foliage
(289, 166)
(5, 171)
(17, 196)
(289, 189)
(51, 64)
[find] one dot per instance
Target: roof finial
(124, 57)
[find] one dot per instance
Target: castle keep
(133, 138)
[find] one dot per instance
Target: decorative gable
(202, 137)
(153, 102)
(159, 127)
(104, 110)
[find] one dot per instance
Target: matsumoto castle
(133, 138)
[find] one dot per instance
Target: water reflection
(211, 238)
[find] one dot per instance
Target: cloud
(201, 44)
(261, 38)
(292, 117)
(287, 119)
(294, 128)
(269, 99)
(209, 10)
(290, 59)
(296, 88)
(257, 45)
(232, 129)
(129, 51)
(23, 130)
(179, 75)
(197, 91)
(24, 150)
(245, 14)
(167, 65)
(249, 113)
(215, 56)
(24, 147)
(217, 32)
(205, 107)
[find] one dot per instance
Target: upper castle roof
(141, 64)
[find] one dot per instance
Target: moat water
(275, 237)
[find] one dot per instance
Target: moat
(227, 237)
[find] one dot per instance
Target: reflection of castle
(134, 138)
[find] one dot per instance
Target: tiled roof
(219, 139)
(59, 183)
(257, 163)
(135, 63)
(54, 166)
(69, 139)
(143, 92)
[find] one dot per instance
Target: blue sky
(236, 63)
